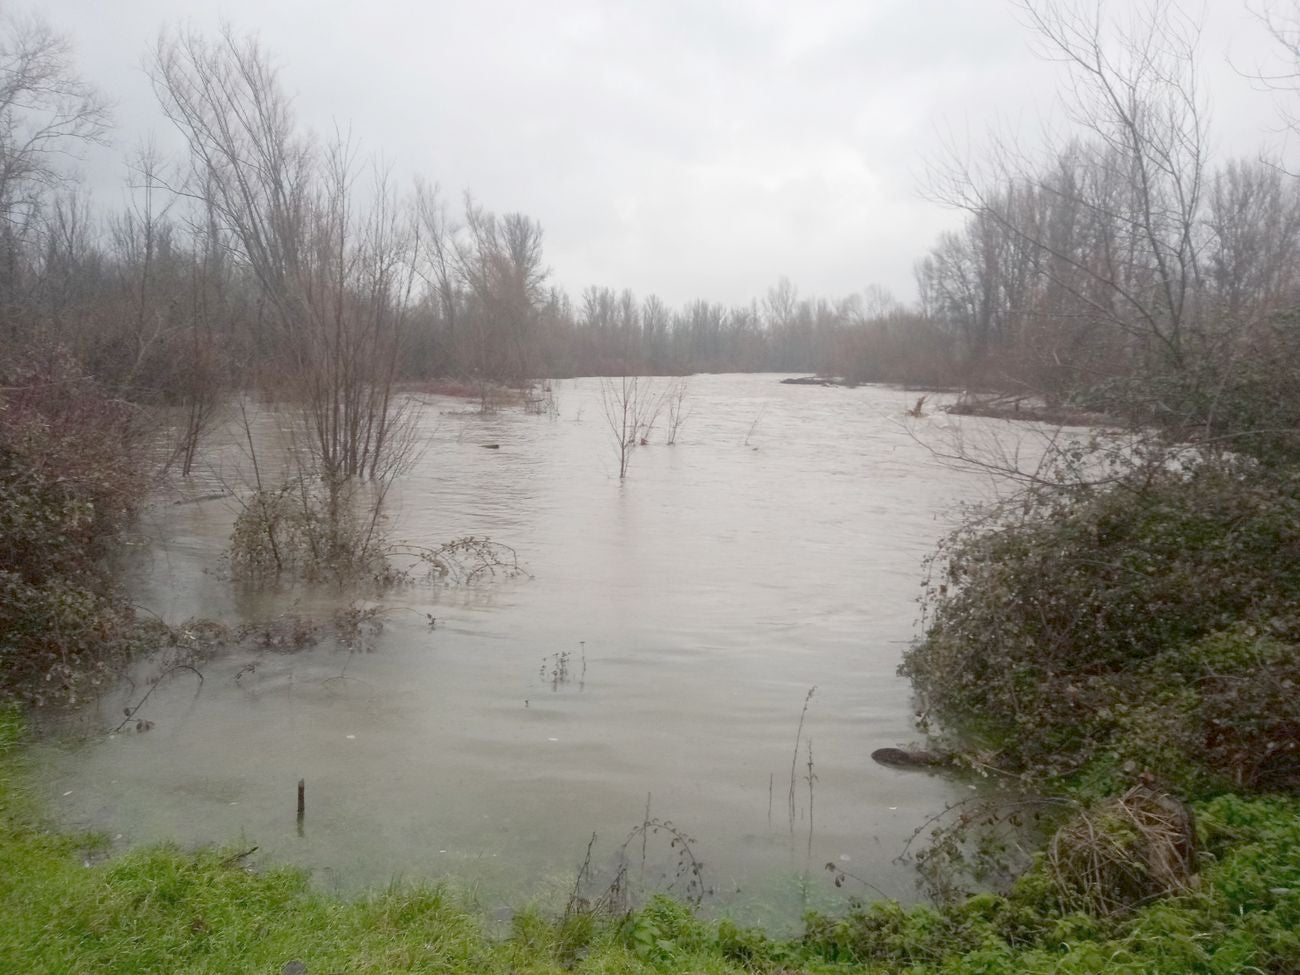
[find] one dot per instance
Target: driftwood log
(909, 757)
(809, 381)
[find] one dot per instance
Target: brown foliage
(1123, 852)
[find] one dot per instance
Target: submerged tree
(334, 268)
(620, 401)
(499, 261)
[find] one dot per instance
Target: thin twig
(794, 759)
(132, 712)
(236, 857)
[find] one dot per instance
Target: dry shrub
(1123, 852)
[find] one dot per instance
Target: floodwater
(777, 547)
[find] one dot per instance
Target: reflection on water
(775, 548)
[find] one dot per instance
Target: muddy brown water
(777, 547)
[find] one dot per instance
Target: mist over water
(776, 547)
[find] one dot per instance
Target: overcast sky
(687, 149)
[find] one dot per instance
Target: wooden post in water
(302, 800)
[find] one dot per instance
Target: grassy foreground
(167, 911)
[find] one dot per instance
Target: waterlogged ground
(660, 653)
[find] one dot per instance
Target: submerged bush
(1148, 626)
(316, 531)
(310, 527)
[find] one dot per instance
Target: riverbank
(164, 910)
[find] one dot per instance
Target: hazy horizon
(700, 151)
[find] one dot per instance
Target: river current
(658, 656)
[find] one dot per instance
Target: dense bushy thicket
(1150, 626)
(1240, 396)
(69, 474)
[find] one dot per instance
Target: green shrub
(1148, 626)
(69, 476)
(663, 931)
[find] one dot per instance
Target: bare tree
(1253, 214)
(246, 160)
(337, 274)
(1099, 249)
(621, 403)
(437, 264)
(1281, 19)
(677, 410)
(655, 326)
(147, 264)
(500, 261)
(210, 358)
(47, 116)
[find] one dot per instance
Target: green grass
(163, 910)
(168, 911)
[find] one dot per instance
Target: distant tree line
(270, 258)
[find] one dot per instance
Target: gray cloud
(686, 149)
